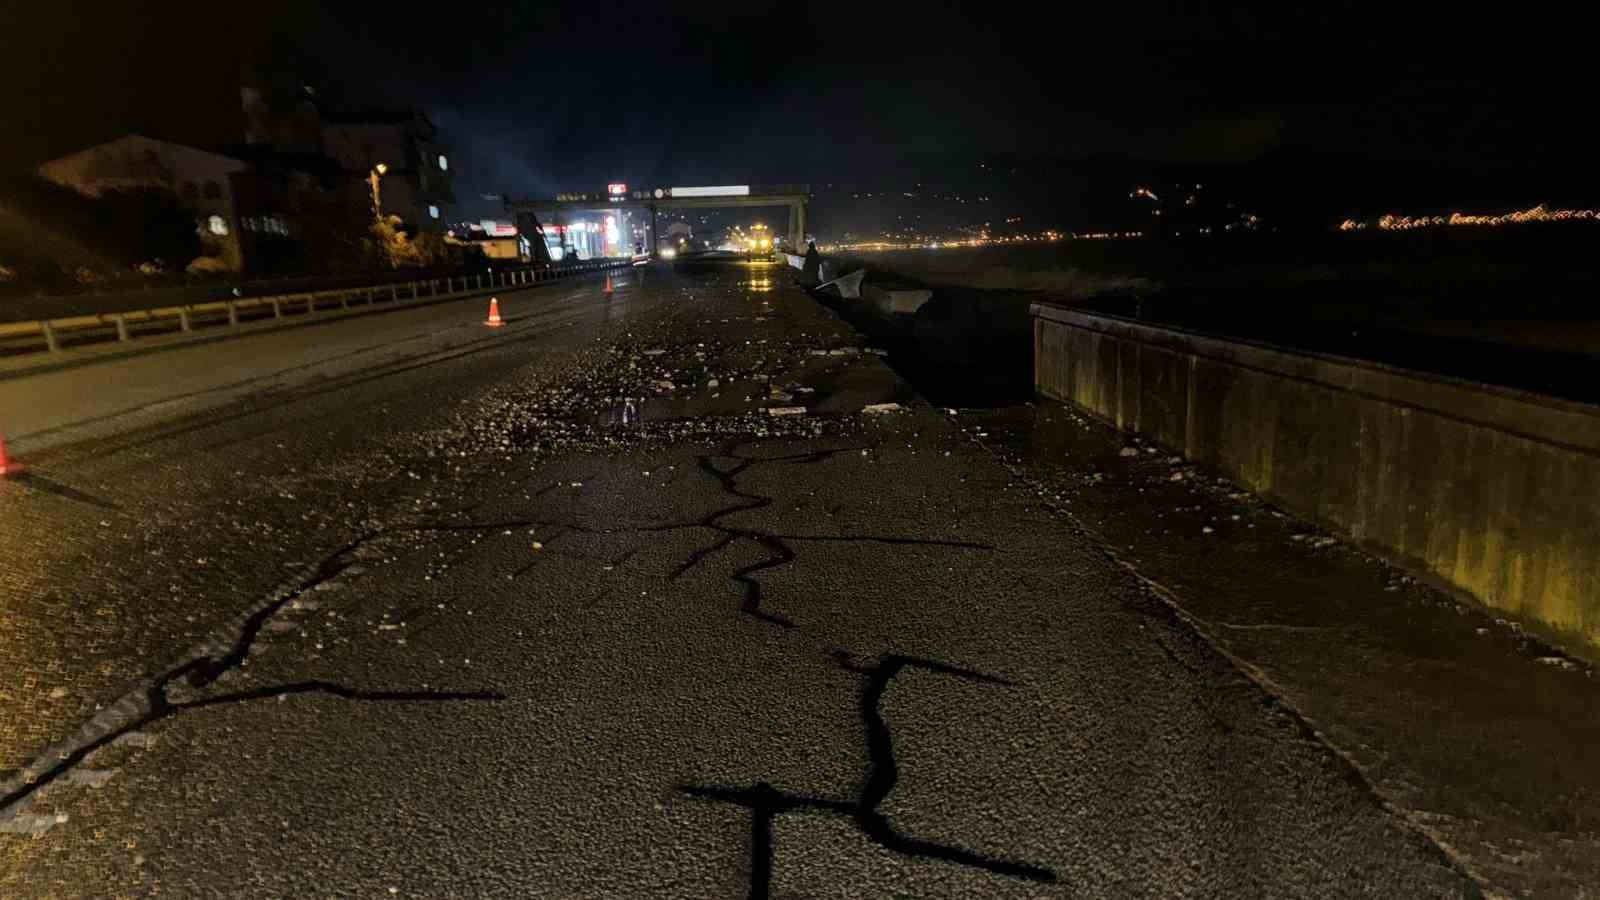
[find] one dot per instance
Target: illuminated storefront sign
(727, 190)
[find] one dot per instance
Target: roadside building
(495, 240)
(202, 181)
(416, 180)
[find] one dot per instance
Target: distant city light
(942, 244)
(617, 189)
(1535, 214)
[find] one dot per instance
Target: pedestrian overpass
(530, 212)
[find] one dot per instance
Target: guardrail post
(344, 301)
(277, 307)
(184, 324)
(416, 290)
(122, 328)
(233, 313)
(311, 303)
(49, 337)
(394, 292)
(371, 291)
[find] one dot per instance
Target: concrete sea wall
(1495, 491)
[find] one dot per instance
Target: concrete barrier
(1490, 489)
(895, 299)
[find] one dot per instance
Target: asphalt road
(571, 613)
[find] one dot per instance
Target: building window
(213, 190)
(217, 225)
(433, 211)
(444, 164)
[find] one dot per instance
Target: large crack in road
(155, 702)
(764, 801)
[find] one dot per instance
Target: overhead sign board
(617, 189)
(726, 190)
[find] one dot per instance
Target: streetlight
(378, 171)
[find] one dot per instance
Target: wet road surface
(593, 612)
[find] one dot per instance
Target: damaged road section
(212, 662)
(766, 802)
(838, 652)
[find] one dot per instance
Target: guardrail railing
(56, 335)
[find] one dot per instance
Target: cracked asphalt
(592, 610)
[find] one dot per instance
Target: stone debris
(93, 778)
(874, 409)
(786, 410)
(1314, 540)
(1128, 451)
(27, 823)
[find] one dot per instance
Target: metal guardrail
(56, 335)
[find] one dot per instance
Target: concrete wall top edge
(1548, 419)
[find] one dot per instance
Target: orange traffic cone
(494, 320)
(8, 466)
(609, 291)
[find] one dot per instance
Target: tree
(391, 246)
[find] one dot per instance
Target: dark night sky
(539, 96)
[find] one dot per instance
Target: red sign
(616, 190)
